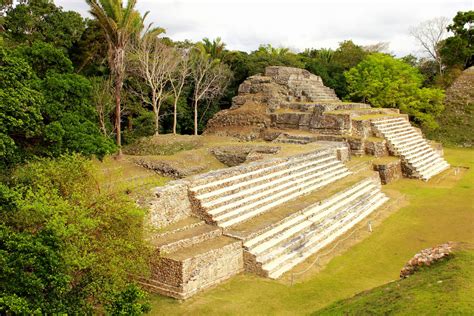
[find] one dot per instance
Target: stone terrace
(268, 216)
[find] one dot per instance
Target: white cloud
(299, 24)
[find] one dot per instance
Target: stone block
(169, 204)
(389, 170)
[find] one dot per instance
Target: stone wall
(376, 148)
(183, 278)
(389, 171)
(169, 204)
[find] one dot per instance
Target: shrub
(66, 245)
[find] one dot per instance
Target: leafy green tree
(330, 65)
(119, 24)
(458, 50)
(267, 55)
(20, 108)
(42, 20)
(44, 57)
(89, 53)
(70, 118)
(215, 48)
(68, 245)
(384, 81)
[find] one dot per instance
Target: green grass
(442, 289)
(434, 212)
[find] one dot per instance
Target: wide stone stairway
(230, 199)
(414, 150)
(264, 217)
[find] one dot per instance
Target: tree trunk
(175, 115)
(195, 116)
(157, 123)
(118, 90)
(156, 110)
(118, 70)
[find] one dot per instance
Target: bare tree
(177, 80)
(210, 77)
(379, 47)
(154, 62)
(103, 101)
(429, 35)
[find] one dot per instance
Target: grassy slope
(437, 212)
(445, 288)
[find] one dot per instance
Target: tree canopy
(384, 81)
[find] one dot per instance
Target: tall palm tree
(215, 48)
(119, 23)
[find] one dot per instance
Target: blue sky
(298, 24)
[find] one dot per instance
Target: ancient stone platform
(267, 216)
(292, 105)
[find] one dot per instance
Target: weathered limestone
(169, 204)
(419, 159)
(182, 274)
(426, 257)
(282, 245)
(192, 256)
(389, 170)
(236, 155)
(229, 200)
(269, 215)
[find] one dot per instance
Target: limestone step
(289, 210)
(421, 156)
(201, 248)
(393, 129)
(285, 263)
(273, 247)
(427, 164)
(416, 152)
(284, 196)
(403, 136)
(388, 121)
(428, 174)
(181, 225)
(186, 238)
(412, 151)
(301, 216)
(163, 288)
(407, 146)
(230, 201)
(406, 142)
(405, 139)
(224, 194)
(278, 256)
(215, 180)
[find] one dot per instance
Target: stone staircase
(277, 247)
(405, 141)
(241, 194)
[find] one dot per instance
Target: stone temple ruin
(267, 216)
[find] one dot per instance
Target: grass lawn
(443, 289)
(434, 212)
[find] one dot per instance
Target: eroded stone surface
(236, 155)
(389, 171)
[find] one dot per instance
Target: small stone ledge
(389, 169)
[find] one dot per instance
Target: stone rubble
(426, 257)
